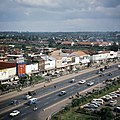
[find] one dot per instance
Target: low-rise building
(7, 72)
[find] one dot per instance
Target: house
(95, 43)
(68, 43)
(83, 57)
(64, 61)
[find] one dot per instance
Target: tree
(114, 47)
(75, 102)
(106, 114)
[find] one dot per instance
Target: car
(114, 96)
(72, 81)
(62, 93)
(106, 67)
(101, 74)
(35, 108)
(113, 102)
(81, 81)
(14, 102)
(28, 97)
(102, 69)
(32, 101)
(109, 74)
(117, 109)
(98, 72)
(90, 83)
(93, 102)
(106, 98)
(98, 101)
(91, 105)
(31, 93)
(14, 113)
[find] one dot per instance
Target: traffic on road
(34, 101)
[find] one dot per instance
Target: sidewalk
(40, 85)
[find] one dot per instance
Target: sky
(59, 15)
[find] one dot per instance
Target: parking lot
(111, 100)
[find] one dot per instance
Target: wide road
(42, 91)
(45, 101)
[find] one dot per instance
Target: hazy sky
(59, 15)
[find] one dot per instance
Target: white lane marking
(47, 97)
(38, 102)
(71, 88)
(56, 98)
(27, 106)
(23, 114)
(46, 103)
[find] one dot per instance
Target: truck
(32, 101)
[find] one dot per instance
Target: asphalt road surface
(52, 96)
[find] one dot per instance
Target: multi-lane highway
(49, 95)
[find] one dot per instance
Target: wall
(49, 64)
(32, 67)
(98, 57)
(7, 73)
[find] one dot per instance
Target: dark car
(101, 75)
(109, 74)
(98, 72)
(102, 69)
(72, 81)
(117, 109)
(14, 102)
(106, 67)
(31, 93)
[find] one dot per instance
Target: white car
(14, 113)
(62, 93)
(28, 97)
(90, 105)
(90, 83)
(82, 82)
(106, 98)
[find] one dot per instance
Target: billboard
(21, 69)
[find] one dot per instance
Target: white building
(7, 75)
(49, 62)
(32, 68)
(104, 55)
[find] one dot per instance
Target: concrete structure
(83, 57)
(7, 75)
(32, 68)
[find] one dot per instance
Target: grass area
(71, 112)
(38, 78)
(72, 115)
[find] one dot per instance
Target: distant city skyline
(59, 15)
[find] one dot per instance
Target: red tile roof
(5, 65)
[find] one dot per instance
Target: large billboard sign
(21, 69)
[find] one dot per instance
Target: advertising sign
(21, 69)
